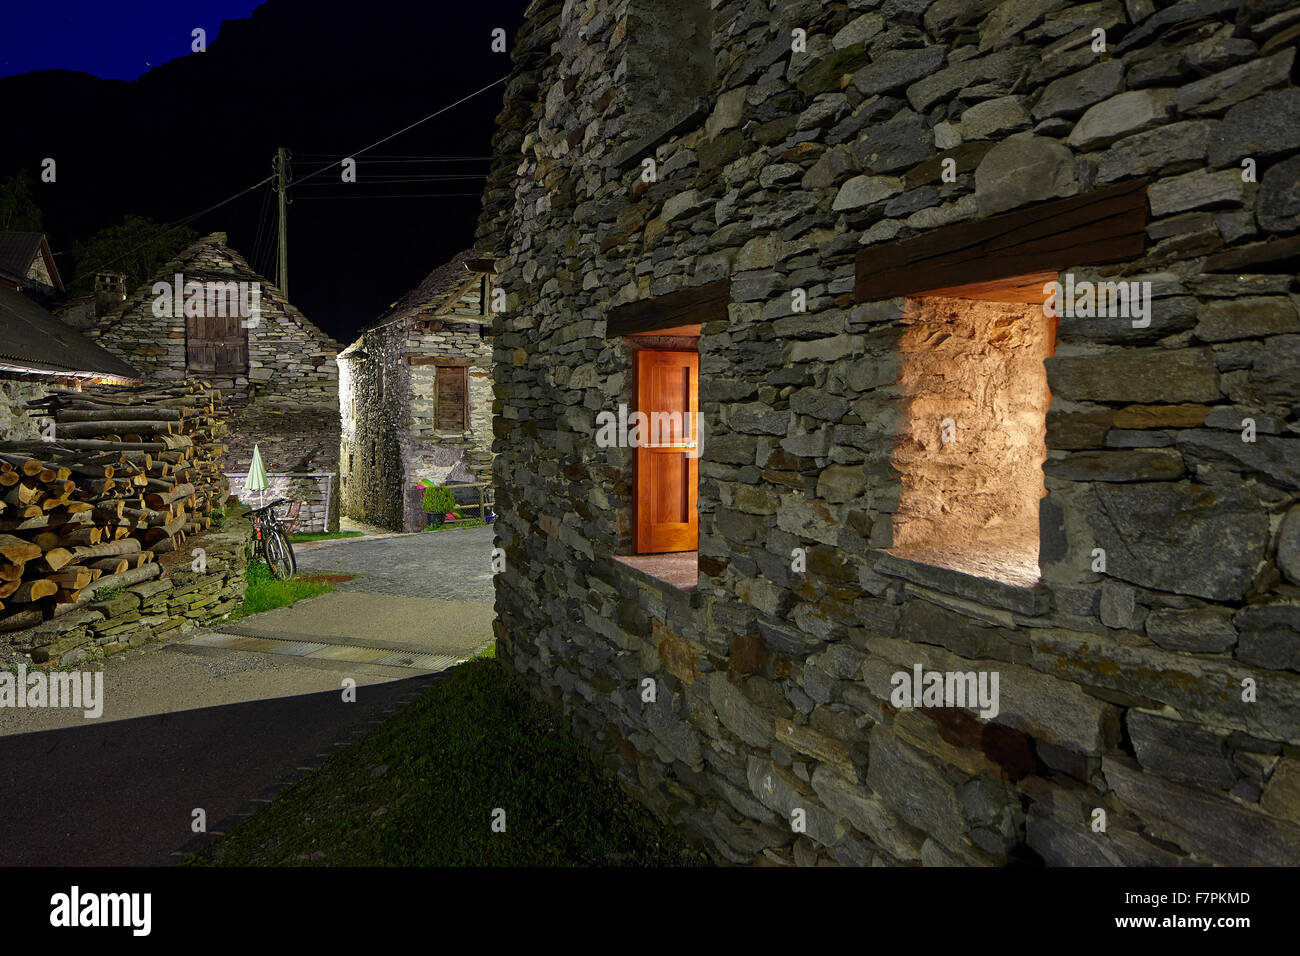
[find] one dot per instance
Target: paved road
(452, 565)
(199, 724)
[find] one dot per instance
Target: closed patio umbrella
(257, 480)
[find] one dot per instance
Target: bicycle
(272, 543)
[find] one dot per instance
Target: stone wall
(173, 599)
(290, 391)
(318, 493)
(1161, 687)
(390, 440)
(15, 393)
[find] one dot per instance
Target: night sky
(140, 125)
(115, 41)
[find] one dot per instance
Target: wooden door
(451, 398)
(667, 462)
(216, 344)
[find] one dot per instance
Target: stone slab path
(221, 720)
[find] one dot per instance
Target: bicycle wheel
(279, 555)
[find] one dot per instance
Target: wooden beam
(1103, 225)
(439, 360)
(693, 306)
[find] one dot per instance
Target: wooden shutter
(451, 405)
(667, 467)
(216, 344)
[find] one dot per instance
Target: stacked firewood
(128, 473)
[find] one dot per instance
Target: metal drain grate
(315, 650)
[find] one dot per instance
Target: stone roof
(441, 286)
(438, 291)
(33, 341)
(19, 249)
(238, 269)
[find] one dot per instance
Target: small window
(451, 408)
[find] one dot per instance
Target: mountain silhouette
(322, 79)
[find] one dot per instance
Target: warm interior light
(971, 448)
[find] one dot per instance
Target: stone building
(415, 396)
(38, 355)
(27, 266)
(207, 314)
(834, 228)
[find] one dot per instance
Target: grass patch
(266, 592)
(458, 523)
(309, 536)
(421, 790)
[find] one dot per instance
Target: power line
(405, 128)
(169, 228)
(401, 196)
(396, 158)
(402, 179)
(260, 241)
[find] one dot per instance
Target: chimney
(110, 289)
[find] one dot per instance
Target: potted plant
(438, 501)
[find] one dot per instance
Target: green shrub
(438, 500)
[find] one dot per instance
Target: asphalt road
(123, 792)
(189, 727)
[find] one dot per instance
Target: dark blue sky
(115, 39)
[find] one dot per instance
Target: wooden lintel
(1103, 225)
(693, 306)
(444, 360)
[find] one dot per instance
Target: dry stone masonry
(281, 370)
(1149, 680)
(173, 598)
(416, 397)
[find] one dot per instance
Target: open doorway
(665, 479)
(667, 455)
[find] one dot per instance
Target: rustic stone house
(38, 355)
(27, 266)
(415, 396)
(833, 228)
(207, 314)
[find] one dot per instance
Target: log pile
(130, 472)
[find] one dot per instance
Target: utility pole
(281, 185)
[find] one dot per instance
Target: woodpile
(130, 472)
